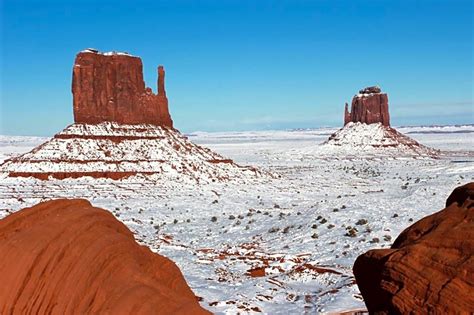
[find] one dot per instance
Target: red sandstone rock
(67, 257)
(369, 106)
(430, 266)
(347, 115)
(110, 87)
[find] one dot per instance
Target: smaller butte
(369, 106)
(367, 129)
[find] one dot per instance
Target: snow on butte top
(108, 53)
(369, 91)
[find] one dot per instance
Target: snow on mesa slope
(360, 138)
(120, 151)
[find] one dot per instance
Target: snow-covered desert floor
(279, 243)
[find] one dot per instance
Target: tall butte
(369, 106)
(121, 129)
(110, 87)
(367, 129)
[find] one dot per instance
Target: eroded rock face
(110, 87)
(369, 106)
(67, 257)
(430, 266)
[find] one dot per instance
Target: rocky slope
(430, 266)
(65, 256)
(116, 151)
(360, 138)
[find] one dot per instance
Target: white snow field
(282, 244)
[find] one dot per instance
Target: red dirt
(257, 272)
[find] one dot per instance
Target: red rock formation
(369, 106)
(161, 81)
(430, 266)
(67, 257)
(110, 87)
(347, 115)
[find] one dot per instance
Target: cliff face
(110, 87)
(430, 266)
(369, 106)
(67, 257)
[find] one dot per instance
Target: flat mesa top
(369, 91)
(108, 53)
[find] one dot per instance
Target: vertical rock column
(161, 81)
(370, 106)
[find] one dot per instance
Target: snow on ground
(15, 145)
(277, 245)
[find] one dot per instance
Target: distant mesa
(68, 257)
(369, 106)
(430, 267)
(121, 129)
(367, 129)
(110, 87)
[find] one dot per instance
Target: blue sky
(241, 65)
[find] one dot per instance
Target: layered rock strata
(110, 87)
(68, 257)
(116, 151)
(430, 266)
(369, 106)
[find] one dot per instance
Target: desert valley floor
(280, 241)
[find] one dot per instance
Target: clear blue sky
(241, 65)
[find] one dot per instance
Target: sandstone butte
(430, 267)
(68, 257)
(121, 129)
(369, 106)
(110, 87)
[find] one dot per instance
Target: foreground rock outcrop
(430, 266)
(369, 106)
(65, 257)
(110, 87)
